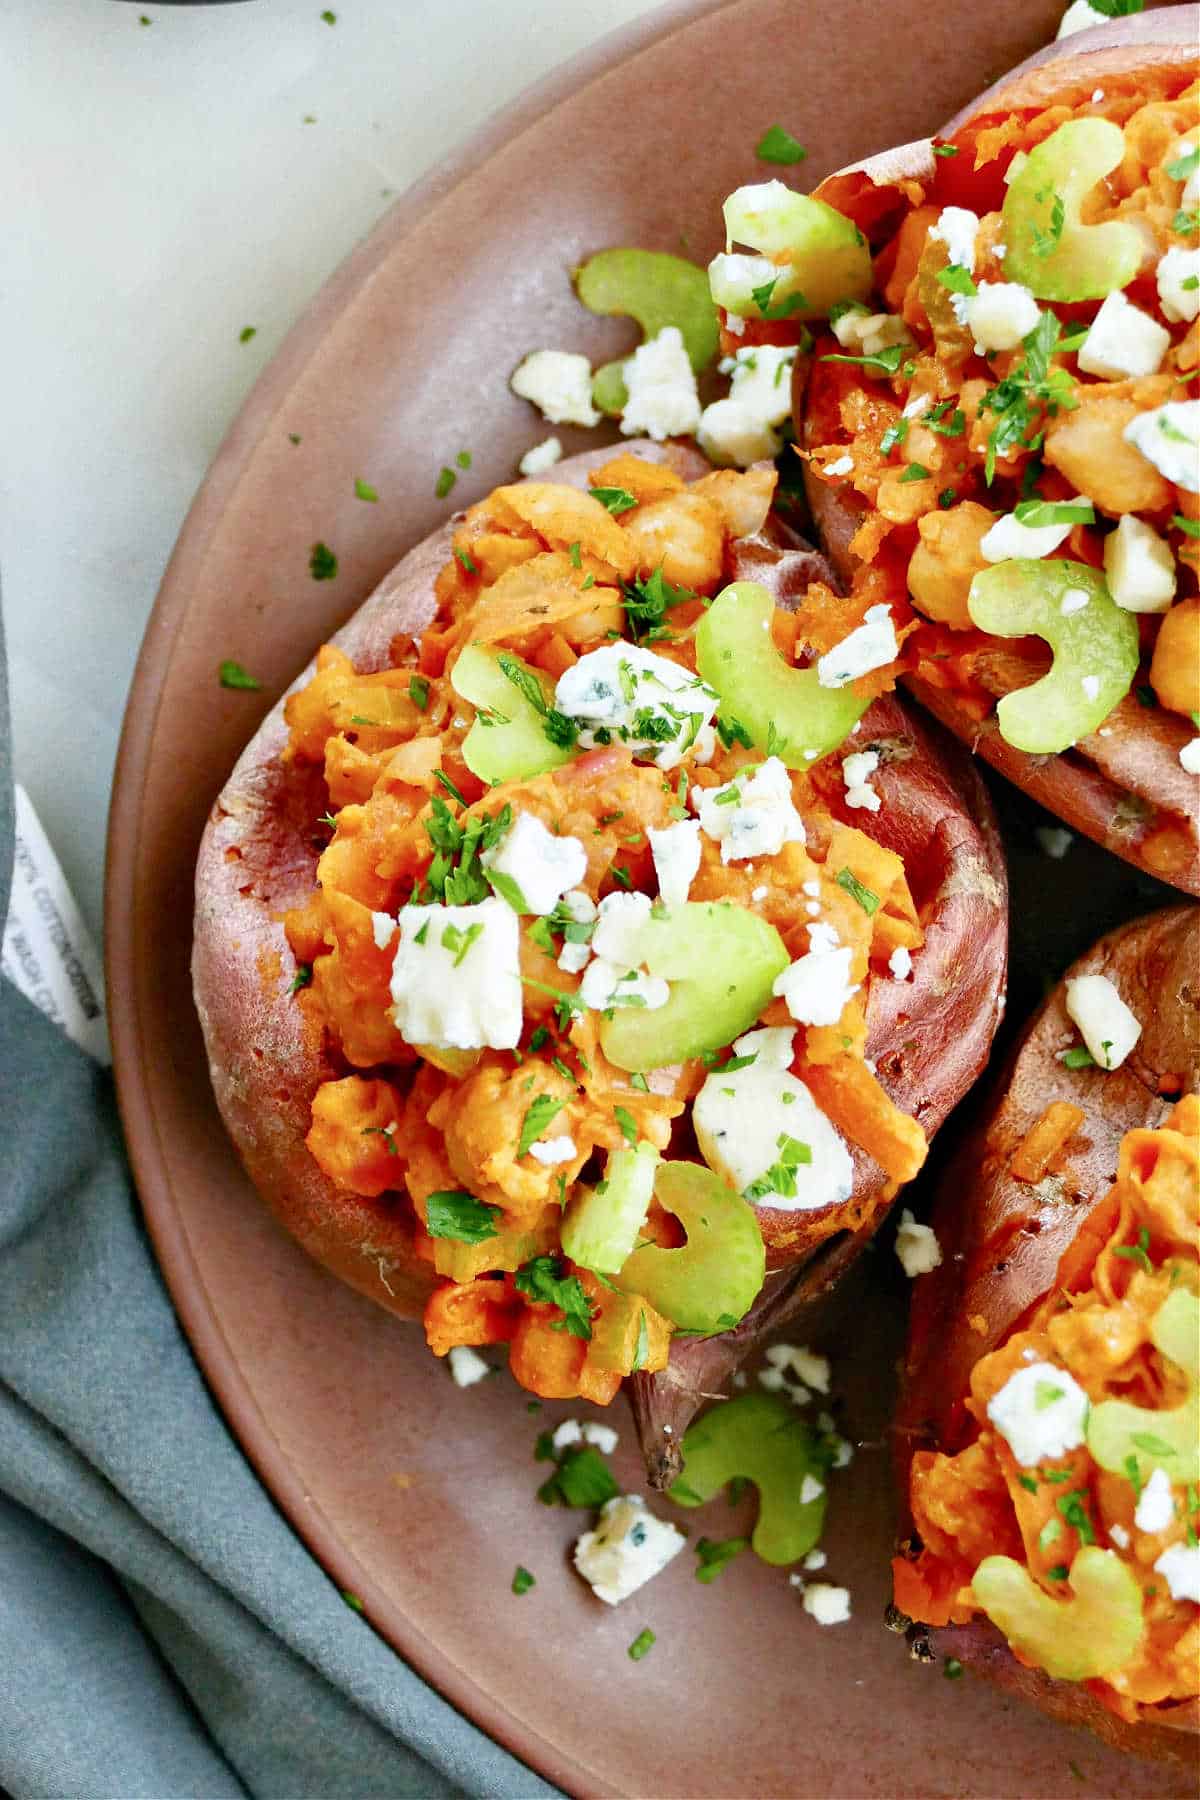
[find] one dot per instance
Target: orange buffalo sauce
(1139, 1245)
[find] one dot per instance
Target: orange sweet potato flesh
(1004, 1251)
(1127, 789)
(929, 1036)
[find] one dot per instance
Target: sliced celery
(657, 290)
(825, 256)
(1095, 648)
(1093, 1634)
(760, 1438)
(601, 1224)
(1124, 1438)
(721, 962)
(786, 710)
(1050, 250)
(508, 741)
(711, 1281)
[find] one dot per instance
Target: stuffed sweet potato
(564, 982)
(1000, 425)
(1047, 1438)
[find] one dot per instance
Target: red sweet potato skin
(1126, 790)
(1002, 1240)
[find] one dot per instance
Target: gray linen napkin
(162, 1631)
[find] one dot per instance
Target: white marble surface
(160, 190)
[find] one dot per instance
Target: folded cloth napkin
(162, 1631)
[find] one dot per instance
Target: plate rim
(248, 1425)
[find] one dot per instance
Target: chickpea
(946, 560)
(1175, 669)
(1087, 447)
(682, 533)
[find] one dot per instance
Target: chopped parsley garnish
(418, 692)
(623, 878)
(1134, 1475)
(522, 1580)
(459, 942)
(463, 459)
(330, 18)
(945, 149)
(232, 675)
(1045, 1394)
(1077, 1057)
(1116, 9)
(363, 490)
(1186, 223)
(1057, 1573)
(1152, 1445)
(894, 435)
(1073, 1508)
(1036, 512)
(866, 899)
(789, 305)
(352, 1600)
(732, 731)
(956, 277)
(638, 1081)
(322, 563)
(302, 978)
(466, 559)
(565, 1005)
(544, 1108)
(642, 1347)
(627, 1122)
(1045, 239)
(246, 333)
(647, 602)
(715, 1553)
(582, 1477)
(615, 500)
(915, 472)
(887, 361)
(1189, 527)
(1021, 398)
(1185, 165)
(1139, 1252)
(444, 780)
(642, 1644)
(383, 1131)
(709, 1059)
(454, 875)
(510, 890)
(453, 1213)
(780, 1178)
(779, 146)
(1028, 1483)
(937, 421)
(561, 730)
(543, 1281)
(445, 482)
(947, 497)
(952, 1669)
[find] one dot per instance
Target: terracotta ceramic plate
(414, 1495)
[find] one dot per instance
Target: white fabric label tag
(48, 952)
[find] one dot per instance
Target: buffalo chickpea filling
(1071, 1519)
(1006, 395)
(590, 950)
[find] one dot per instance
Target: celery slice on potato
(1095, 648)
(1050, 250)
(786, 710)
(707, 1284)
